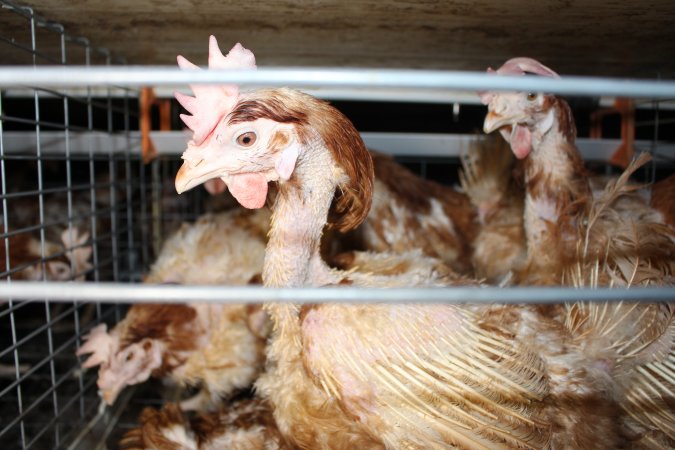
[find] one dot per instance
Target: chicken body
(410, 213)
(217, 347)
(611, 238)
(369, 375)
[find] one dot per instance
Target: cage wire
(73, 209)
(66, 216)
(78, 204)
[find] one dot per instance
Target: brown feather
(486, 177)
(663, 199)
(434, 218)
(248, 422)
(154, 425)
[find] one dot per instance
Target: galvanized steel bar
(74, 76)
(142, 293)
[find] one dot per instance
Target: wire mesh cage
(79, 204)
(71, 210)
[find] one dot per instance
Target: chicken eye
(531, 96)
(246, 139)
(130, 356)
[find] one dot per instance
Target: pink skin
(250, 189)
(100, 344)
(215, 186)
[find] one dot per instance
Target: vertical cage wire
(41, 200)
(656, 125)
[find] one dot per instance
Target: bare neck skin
(557, 188)
(292, 257)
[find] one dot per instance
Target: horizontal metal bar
(56, 156)
(85, 99)
(45, 191)
(72, 188)
(174, 143)
(53, 142)
(442, 96)
(42, 123)
(331, 77)
(142, 293)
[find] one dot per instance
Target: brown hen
(612, 238)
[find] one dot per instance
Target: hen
(376, 375)
(614, 238)
(217, 347)
(72, 232)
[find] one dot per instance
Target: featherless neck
(300, 212)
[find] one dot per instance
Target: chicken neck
(292, 256)
(557, 190)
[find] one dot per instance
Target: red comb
(518, 66)
(521, 66)
(212, 102)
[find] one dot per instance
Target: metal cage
(74, 184)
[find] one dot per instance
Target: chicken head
(119, 367)
(244, 154)
(131, 365)
(519, 116)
